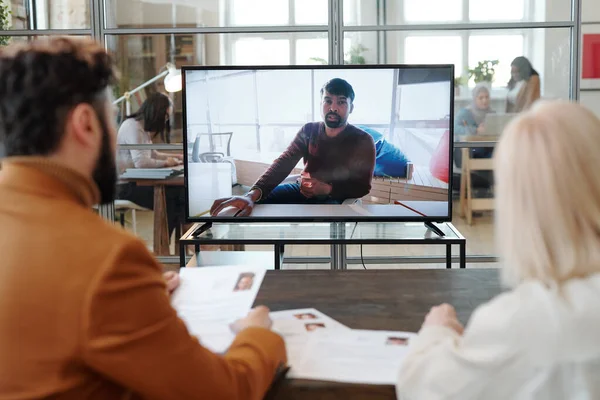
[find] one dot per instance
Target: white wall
(591, 13)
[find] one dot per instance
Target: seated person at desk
(339, 160)
(523, 87)
(469, 120)
(87, 315)
(149, 122)
(540, 339)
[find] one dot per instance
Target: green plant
(4, 25)
(484, 71)
(354, 56)
(460, 81)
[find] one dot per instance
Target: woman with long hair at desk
(523, 86)
(541, 338)
(148, 125)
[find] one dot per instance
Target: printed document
(296, 327)
(354, 356)
(209, 299)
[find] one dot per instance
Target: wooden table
(379, 299)
(161, 229)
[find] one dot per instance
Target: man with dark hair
(339, 160)
(87, 315)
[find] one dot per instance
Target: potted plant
(484, 71)
(459, 82)
(4, 25)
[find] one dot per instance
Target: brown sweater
(529, 93)
(84, 312)
(346, 161)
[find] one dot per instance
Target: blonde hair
(547, 168)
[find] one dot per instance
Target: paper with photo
(354, 356)
(296, 326)
(209, 299)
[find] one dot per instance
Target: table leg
(279, 252)
(338, 257)
(161, 230)
(463, 254)
(448, 256)
(182, 254)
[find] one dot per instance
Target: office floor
(479, 242)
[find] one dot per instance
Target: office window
(279, 12)
(485, 10)
(259, 12)
(432, 10)
(434, 50)
(312, 51)
(311, 12)
(503, 48)
(257, 51)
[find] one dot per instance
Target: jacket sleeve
(132, 335)
(283, 165)
(441, 364)
(464, 124)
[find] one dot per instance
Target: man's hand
(444, 315)
(311, 187)
(172, 162)
(481, 129)
(242, 203)
(172, 281)
(257, 317)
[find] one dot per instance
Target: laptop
(495, 123)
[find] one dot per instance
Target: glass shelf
(325, 233)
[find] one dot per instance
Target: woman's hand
(172, 281)
(444, 315)
(481, 129)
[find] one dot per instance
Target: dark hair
(40, 82)
(152, 113)
(338, 87)
(525, 69)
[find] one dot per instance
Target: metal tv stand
(335, 234)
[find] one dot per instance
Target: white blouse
(514, 92)
(532, 343)
(132, 132)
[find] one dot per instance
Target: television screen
(318, 143)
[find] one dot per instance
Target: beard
(105, 172)
(334, 123)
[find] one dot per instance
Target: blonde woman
(541, 339)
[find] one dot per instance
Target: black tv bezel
(310, 219)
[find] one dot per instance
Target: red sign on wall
(591, 57)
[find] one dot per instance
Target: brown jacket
(529, 93)
(84, 312)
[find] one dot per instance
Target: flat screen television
(318, 143)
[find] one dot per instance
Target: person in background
(523, 86)
(540, 340)
(87, 315)
(469, 120)
(150, 122)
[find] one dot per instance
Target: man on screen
(338, 159)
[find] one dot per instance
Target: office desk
(161, 230)
(467, 202)
(382, 300)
